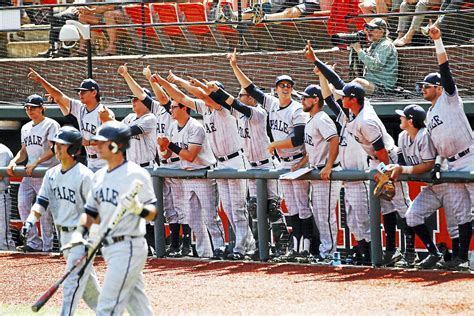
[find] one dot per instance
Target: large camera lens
(348, 38)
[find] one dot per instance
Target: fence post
(160, 218)
(376, 242)
(262, 200)
(143, 39)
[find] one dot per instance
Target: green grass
(46, 310)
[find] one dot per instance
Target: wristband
(407, 169)
(439, 46)
(174, 148)
(31, 218)
(82, 229)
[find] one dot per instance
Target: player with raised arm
(222, 132)
(287, 121)
(452, 137)
(87, 111)
(36, 138)
(368, 130)
(356, 193)
(252, 126)
(64, 191)
(188, 141)
(124, 248)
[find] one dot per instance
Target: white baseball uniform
(65, 193)
(201, 194)
(253, 132)
(282, 122)
(6, 241)
(36, 139)
(125, 249)
(225, 142)
(356, 193)
(324, 194)
(452, 137)
(367, 129)
(142, 150)
(173, 191)
(432, 197)
(88, 122)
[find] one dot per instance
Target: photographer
(380, 59)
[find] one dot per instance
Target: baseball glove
(385, 188)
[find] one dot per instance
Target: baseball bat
(119, 212)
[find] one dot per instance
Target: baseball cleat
(408, 261)
(186, 251)
(235, 256)
(456, 264)
(219, 254)
(390, 257)
(27, 249)
(430, 262)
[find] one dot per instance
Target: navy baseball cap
(433, 78)
(219, 84)
(34, 100)
(312, 91)
(147, 92)
(88, 85)
(352, 89)
(284, 78)
(413, 112)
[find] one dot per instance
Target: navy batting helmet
(68, 135)
(116, 132)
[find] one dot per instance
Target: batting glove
(25, 230)
(132, 204)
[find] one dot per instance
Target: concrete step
(26, 49)
(31, 33)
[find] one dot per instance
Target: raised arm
(60, 98)
(160, 94)
(327, 72)
(174, 92)
(447, 80)
(136, 89)
(226, 100)
(244, 81)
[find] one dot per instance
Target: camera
(347, 39)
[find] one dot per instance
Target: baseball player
(252, 126)
(125, 248)
(87, 111)
(64, 189)
(188, 141)
(36, 136)
(174, 205)
(322, 148)
(221, 129)
(6, 241)
(352, 157)
(287, 121)
(419, 154)
(452, 137)
(368, 130)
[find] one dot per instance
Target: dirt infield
(203, 287)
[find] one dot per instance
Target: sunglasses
(83, 91)
(285, 85)
(243, 95)
(427, 86)
(31, 108)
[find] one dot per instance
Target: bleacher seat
(168, 13)
(134, 12)
(196, 12)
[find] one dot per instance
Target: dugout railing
(261, 177)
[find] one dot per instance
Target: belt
(112, 240)
(94, 156)
(146, 164)
(261, 162)
(322, 166)
(65, 228)
(293, 157)
(228, 157)
(170, 160)
(459, 155)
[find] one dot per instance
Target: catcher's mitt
(385, 188)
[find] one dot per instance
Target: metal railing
(261, 177)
